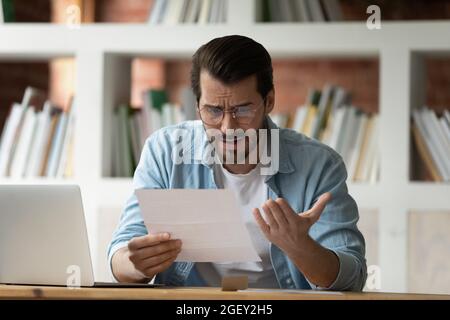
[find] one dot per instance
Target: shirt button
(288, 281)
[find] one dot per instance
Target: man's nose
(228, 122)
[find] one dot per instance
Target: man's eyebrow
(237, 105)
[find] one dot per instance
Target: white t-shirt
(251, 192)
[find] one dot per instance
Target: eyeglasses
(213, 115)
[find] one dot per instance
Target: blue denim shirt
(307, 169)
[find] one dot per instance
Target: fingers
(277, 212)
(286, 208)
(141, 254)
(260, 221)
(315, 212)
(156, 260)
(270, 219)
(147, 240)
(160, 267)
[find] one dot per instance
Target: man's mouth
(232, 141)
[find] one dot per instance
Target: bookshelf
(103, 53)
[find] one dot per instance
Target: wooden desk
(43, 292)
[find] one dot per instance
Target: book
(322, 111)
(32, 97)
(214, 14)
(193, 11)
(67, 144)
(223, 11)
(355, 149)
(299, 118)
(154, 101)
(447, 116)
(8, 136)
(434, 138)
(204, 14)
(184, 11)
(266, 15)
(21, 155)
(301, 11)
(7, 13)
(55, 115)
(310, 117)
(116, 159)
(445, 128)
(315, 7)
(371, 151)
(128, 163)
(157, 12)
(336, 126)
(286, 10)
(39, 143)
(375, 168)
(440, 133)
(358, 174)
(56, 145)
(174, 12)
(134, 129)
(188, 103)
(332, 10)
(349, 135)
(425, 153)
(346, 131)
(275, 11)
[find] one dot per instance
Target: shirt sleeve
(337, 229)
(148, 175)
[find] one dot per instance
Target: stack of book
(37, 138)
(300, 10)
(188, 11)
(328, 116)
(432, 139)
(135, 125)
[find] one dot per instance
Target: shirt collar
(201, 148)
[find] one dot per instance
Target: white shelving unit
(103, 52)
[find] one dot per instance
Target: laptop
(43, 238)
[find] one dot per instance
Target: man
(301, 219)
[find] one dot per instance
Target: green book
(8, 10)
(158, 98)
(266, 17)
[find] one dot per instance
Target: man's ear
(270, 101)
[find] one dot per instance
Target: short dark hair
(231, 59)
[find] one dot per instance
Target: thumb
(318, 207)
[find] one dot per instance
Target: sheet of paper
(208, 222)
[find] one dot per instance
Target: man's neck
(239, 168)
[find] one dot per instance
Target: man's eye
(214, 110)
(244, 111)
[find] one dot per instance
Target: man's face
(244, 93)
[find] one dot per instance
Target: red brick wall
(438, 83)
(132, 11)
(397, 9)
(292, 79)
(135, 11)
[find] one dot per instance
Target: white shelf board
(282, 40)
